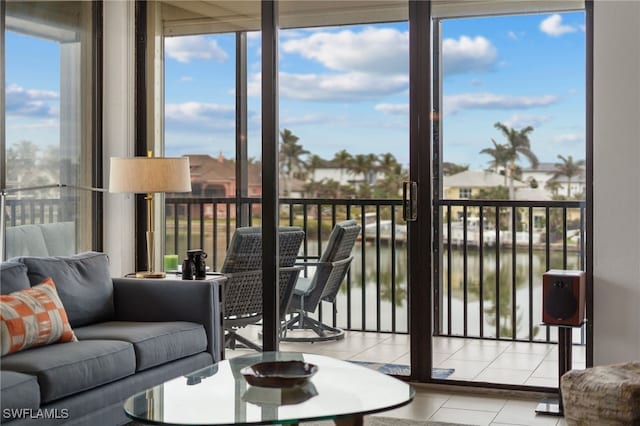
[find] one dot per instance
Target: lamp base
(150, 274)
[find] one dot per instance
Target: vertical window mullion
(242, 174)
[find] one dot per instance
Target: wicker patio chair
(243, 289)
(330, 271)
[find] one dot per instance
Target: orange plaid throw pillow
(33, 317)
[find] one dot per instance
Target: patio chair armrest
(318, 264)
(231, 275)
(308, 263)
(197, 301)
(341, 262)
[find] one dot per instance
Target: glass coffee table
(220, 395)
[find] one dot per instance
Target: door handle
(409, 201)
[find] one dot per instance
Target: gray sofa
(133, 334)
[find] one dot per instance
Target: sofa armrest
(196, 301)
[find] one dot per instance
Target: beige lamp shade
(144, 175)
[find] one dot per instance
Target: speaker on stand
(563, 306)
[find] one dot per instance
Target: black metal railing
(374, 297)
(493, 254)
(486, 284)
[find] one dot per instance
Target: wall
(616, 181)
(118, 130)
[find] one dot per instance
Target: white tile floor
(476, 360)
(519, 363)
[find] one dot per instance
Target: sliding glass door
(510, 93)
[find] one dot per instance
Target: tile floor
(518, 363)
(476, 360)
(473, 409)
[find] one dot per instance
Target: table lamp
(148, 175)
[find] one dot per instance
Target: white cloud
(186, 78)
(372, 50)
(393, 109)
(49, 123)
(353, 86)
(186, 49)
(367, 64)
(553, 26)
(518, 121)
(568, 137)
(201, 114)
(29, 102)
(467, 54)
(288, 121)
(484, 101)
(464, 101)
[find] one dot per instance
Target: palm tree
(553, 186)
(569, 169)
(449, 169)
(387, 162)
(393, 176)
(313, 163)
(342, 159)
(374, 166)
(501, 158)
(290, 157)
(519, 144)
(362, 164)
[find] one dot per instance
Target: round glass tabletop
(220, 395)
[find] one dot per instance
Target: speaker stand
(553, 406)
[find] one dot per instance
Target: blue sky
(32, 78)
(347, 88)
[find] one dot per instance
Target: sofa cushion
(13, 277)
(83, 282)
(18, 390)
(25, 240)
(155, 343)
(33, 317)
(69, 368)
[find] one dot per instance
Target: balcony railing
(492, 257)
(487, 282)
(374, 297)
(32, 211)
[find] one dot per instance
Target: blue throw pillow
(83, 282)
(13, 277)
